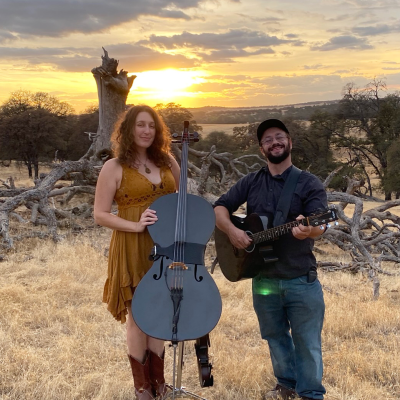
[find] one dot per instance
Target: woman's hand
(148, 217)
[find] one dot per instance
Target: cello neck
(180, 228)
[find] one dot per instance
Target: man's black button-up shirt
(261, 191)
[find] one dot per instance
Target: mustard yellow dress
(129, 251)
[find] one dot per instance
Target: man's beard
(278, 159)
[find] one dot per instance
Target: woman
(142, 171)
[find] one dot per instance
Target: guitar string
(269, 234)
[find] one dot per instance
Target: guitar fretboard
(273, 233)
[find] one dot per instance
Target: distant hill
(243, 115)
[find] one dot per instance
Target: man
(287, 296)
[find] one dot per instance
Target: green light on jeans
(264, 288)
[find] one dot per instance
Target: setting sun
(165, 85)
(168, 80)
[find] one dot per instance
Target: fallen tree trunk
(39, 196)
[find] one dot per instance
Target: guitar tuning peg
(321, 227)
(328, 225)
(336, 223)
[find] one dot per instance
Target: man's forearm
(223, 220)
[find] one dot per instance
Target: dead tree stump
(112, 89)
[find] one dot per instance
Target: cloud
(212, 87)
(228, 55)
(307, 87)
(278, 86)
(379, 29)
(60, 18)
(373, 4)
(354, 16)
(228, 78)
(291, 36)
(274, 90)
(263, 20)
(314, 66)
(234, 38)
(135, 57)
(150, 53)
(340, 18)
(342, 71)
(219, 47)
(7, 36)
(343, 42)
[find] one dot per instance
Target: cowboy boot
(280, 392)
(157, 380)
(141, 378)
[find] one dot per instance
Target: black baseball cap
(270, 123)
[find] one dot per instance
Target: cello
(177, 299)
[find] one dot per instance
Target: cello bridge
(177, 265)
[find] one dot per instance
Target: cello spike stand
(177, 391)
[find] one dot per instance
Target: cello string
(182, 187)
(184, 202)
(183, 209)
(179, 220)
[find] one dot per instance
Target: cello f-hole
(200, 278)
(155, 277)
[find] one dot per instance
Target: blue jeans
(291, 313)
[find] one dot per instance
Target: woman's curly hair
(123, 144)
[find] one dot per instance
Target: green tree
(368, 125)
(245, 138)
(78, 141)
(312, 145)
(33, 126)
(174, 115)
(221, 140)
(392, 178)
(30, 136)
(22, 100)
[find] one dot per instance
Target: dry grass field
(58, 341)
(19, 173)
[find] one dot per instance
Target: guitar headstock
(185, 136)
(323, 218)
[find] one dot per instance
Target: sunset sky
(197, 53)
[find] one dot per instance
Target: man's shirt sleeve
(236, 195)
(316, 198)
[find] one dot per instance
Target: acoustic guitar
(237, 264)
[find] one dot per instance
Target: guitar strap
(285, 198)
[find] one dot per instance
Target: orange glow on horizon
(165, 85)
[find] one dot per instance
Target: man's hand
(301, 232)
(238, 238)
